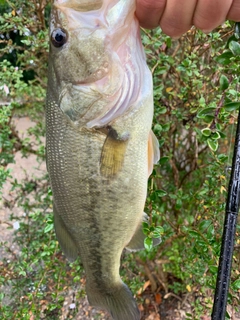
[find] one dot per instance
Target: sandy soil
(18, 171)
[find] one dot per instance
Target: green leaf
(146, 231)
(162, 110)
(145, 228)
(204, 225)
(213, 144)
(206, 132)
(158, 231)
(215, 135)
(208, 118)
(236, 284)
(157, 128)
(224, 83)
(210, 231)
(234, 46)
(161, 193)
(222, 158)
(166, 127)
(169, 42)
(163, 160)
(193, 233)
(231, 106)
(178, 204)
(225, 58)
(22, 273)
(148, 243)
(213, 269)
(48, 227)
(145, 224)
(205, 112)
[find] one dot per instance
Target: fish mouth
(90, 81)
(83, 6)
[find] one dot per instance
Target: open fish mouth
(116, 104)
(88, 82)
(99, 77)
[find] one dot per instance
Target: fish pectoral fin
(113, 153)
(153, 151)
(137, 241)
(65, 240)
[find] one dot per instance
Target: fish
(100, 148)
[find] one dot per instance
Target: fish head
(92, 66)
(77, 43)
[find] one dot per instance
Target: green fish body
(99, 143)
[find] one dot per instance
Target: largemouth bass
(99, 143)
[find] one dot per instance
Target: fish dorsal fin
(113, 153)
(153, 151)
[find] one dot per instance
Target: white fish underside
(100, 149)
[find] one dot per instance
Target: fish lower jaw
(95, 80)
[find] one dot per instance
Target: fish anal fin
(153, 151)
(137, 241)
(64, 238)
(113, 152)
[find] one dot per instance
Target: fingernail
(207, 31)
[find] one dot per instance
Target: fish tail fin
(118, 301)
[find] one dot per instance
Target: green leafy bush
(196, 95)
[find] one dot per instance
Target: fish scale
(99, 172)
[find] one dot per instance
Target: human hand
(176, 17)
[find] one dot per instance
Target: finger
(177, 17)
(149, 12)
(209, 14)
(234, 12)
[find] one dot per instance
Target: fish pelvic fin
(153, 151)
(113, 153)
(118, 301)
(137, 241)
(64, 238)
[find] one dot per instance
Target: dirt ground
(168, 307)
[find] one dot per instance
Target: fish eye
(59, 37)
